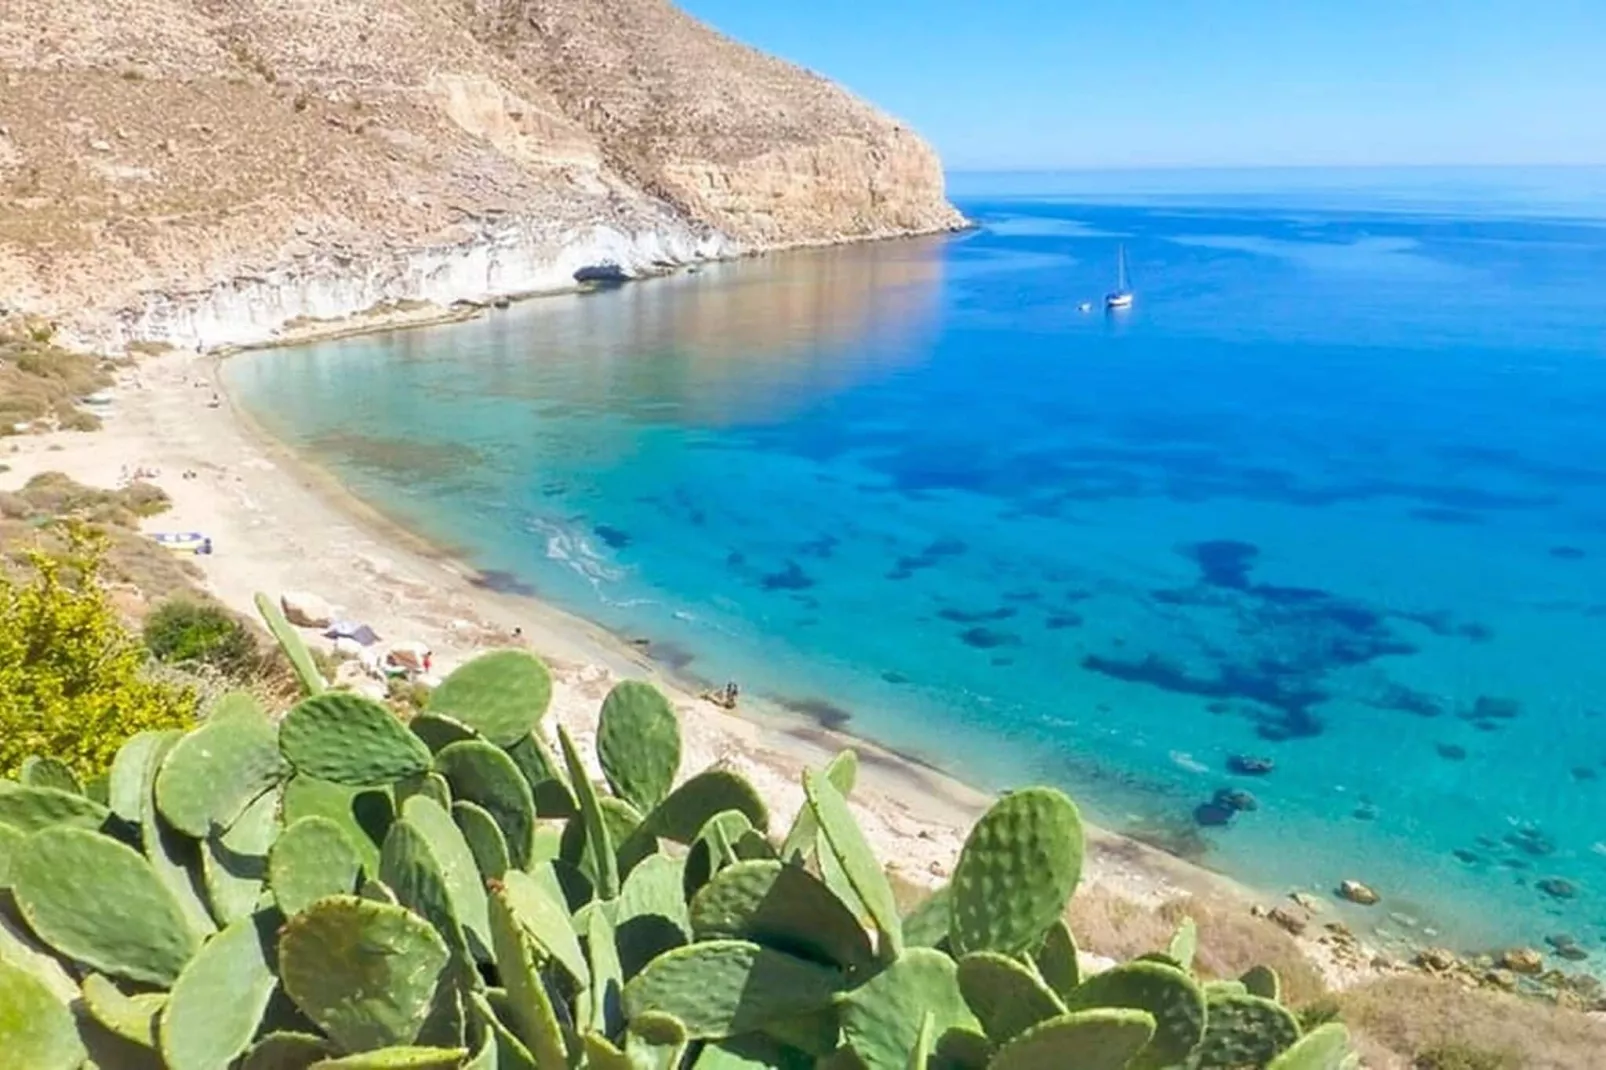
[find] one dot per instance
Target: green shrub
(72, 684)
(183, 632)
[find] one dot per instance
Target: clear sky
(1012, 84)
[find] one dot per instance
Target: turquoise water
(1332, 494)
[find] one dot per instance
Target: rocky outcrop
(204, 172)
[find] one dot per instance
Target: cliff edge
(204, 172)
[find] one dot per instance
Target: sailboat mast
(1120, 269)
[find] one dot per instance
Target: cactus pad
(1184, 944)
(1243, 1031)
(1171, 997)
(881, 1018)
(234, 863)
(313, 858)
(289, 640)
(654, 887)
(842, 771)
(655, 1042)
(37, 772)
(500, 695)
(1324, 1048)
(36, 1030)
(124, 921)
(928, 923)
(10, 840)
(553, 797)
(31, 809)
(638, 743)
(784, 908)
(1057, 961)
(484, 838)
(841, 837)
(128, 783)
(510, 1052)
(350, 740)
(484, 775)
(724, 988)
(530, 1012)
(214, 772)
(1087, 1040)
(132, 1018)
(398, 1058)
(286, 1051)
(602, 866)
(365, 972)
(1005, 995)
(545, 920)
(427, 863)
(682, 815)
(200, 1030)
(1019, 866)
(438, 731)
(1262, 981)
(363, 814)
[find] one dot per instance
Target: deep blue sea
(1333, 493)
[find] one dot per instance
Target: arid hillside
(203, 171)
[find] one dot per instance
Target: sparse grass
(41, 382)
(149, 349)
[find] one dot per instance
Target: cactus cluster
(342, 890)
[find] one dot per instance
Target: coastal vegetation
(42, 383)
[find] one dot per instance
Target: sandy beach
(278, 524)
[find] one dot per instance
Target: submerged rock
(1356, 892)
(1250, 765)
(1452, 752)
(1558, 888)
(1236, 799)
(1523, 960)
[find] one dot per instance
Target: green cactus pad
(500, 695)
(1323, 1048)
(682, 815)
(364, 815)
(1057, 961)
(623, 823)
(31, 809)
(920, 1054)
(511, 1053)
(175, 858)
(784, 908)
(124, 921)
(286, 1051)
(655, 1042)
(602, 867)
(928, 923)
(881, 1018)
(546, 921)
(553, 796)
(654, 888)
(599, 1010)
(289, 640)
(350, 740)
(1005, 995)
(428, 864)
(1174, 1000)
(234, 863)
(1243, 1031)
(128, 783)
(432, 786)
(1262, 981)
(365, 972)
(398, 1058)
(1184, 944)
(531, 1015)
(638, 743)
(840, 835)
(214, 772)
(218, 1002)
(1019, 866)
(484, 838)
(1086, 1040)
(752, 1052)
(724, 988)
(37, 772)
(313, 858)
(10, 840)
(36, 1029)
(1225, 988)
(484, 775)
(133, 1018)
(439, 731)
(843, 772)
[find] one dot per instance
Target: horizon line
(1128, 168)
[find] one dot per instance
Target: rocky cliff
(206, 171)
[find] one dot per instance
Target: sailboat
(1121, 296)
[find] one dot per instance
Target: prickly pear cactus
(364, 972)
(98, 902)
(1086, 1040)
(234, 861)
(784, 908)
(312, 859)
(428, 864)
(37, 772)
(500, 695)
(401, 1057)
(289, 640)
(840, 836)
(350, 740)
(927, 925)
(36, 1029)
(603, 866)
(531, 1016)
(1019, 866)
(724, 988)
(545, 920)
(1005, 995)
(655, 888)
(1057, 961)
(881, 1018)
(1262, 981)
(438, 731)
(1243, 1031)
(682, 815)
(363, 814)
(214, 772)
(31, 809)
(484, 775)
(1323, 1048)
(218, 1002)
(132, 1018)
(484, 838)
(287, 1051)
(1171, 997)
(842, 771)
(638, 743)
(541, 769)
(1184, 944)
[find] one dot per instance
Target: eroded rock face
(168, 163)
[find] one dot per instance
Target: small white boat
(1121, 296)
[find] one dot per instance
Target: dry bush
(1116, 927)
(1413, 1016)
(41, 381)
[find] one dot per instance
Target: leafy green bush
(184, 632)
(72, 684)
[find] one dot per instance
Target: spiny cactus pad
(133, 1018)
(781, 907)
(234, 862)
(1057, 961)
(724, 988)
(398, 1058)
(98, 902)
(1243, 1031)
(682, 815)
(31, 809)
(603, 867)
(1262, 981)
(174, 857)
(1019, 866)
(638, 743)
(350, 740)
(438, 731)
(286, 1051)
(510, 1053)
(484, 838)
(289, 640)
(501, 695)
(530, 1012)
(1184, 944)
(36, 1030)
(313, 858)
(1005, 995)
(1323, 1048)
(218, 1002)
(364, 972)
(128, 783)
(842, 771)
(427, 863)
(881, 1018)
(1086, 1040)
(1171, 997)
(655, 1042)
(212, 774)
(37, 772)
(545, 920)
(541, 769)
(840, 835)
(364, 814)
(598, 1008)
(928, 923)
(484, 775)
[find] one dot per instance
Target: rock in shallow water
(1356, 892)
(1250, 765)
